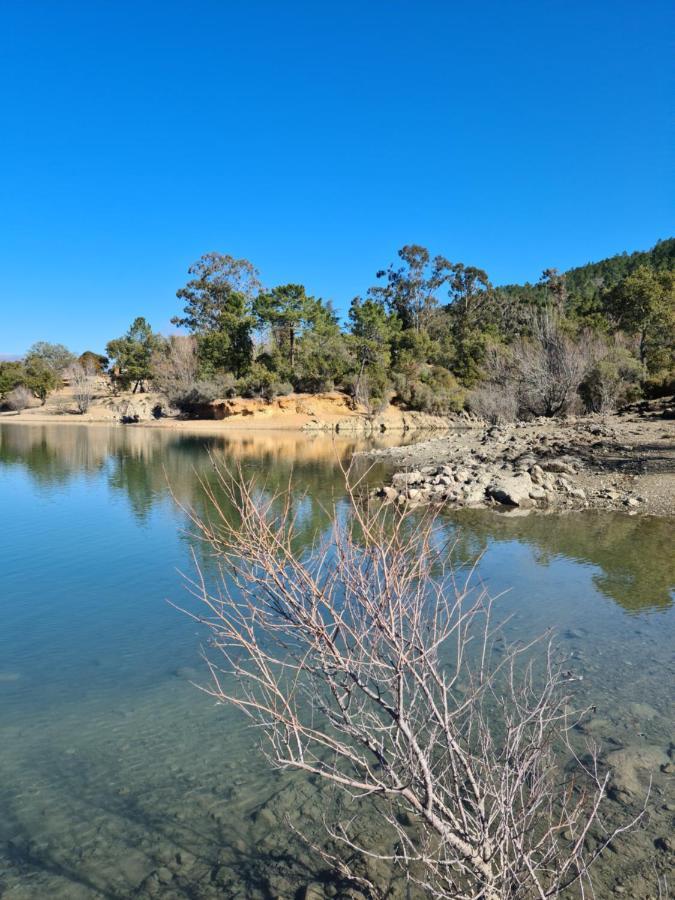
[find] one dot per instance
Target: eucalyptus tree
(55, 357)
(218, 309)
(411, 290)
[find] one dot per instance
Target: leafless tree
(496, 398)
(18, 398)
(369, 664)
(551, 365)
(175, 368)
(82, 379)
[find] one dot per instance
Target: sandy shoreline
(329, 413)
(623, 462)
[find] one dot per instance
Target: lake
(118, 778)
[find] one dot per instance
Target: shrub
(18, 398)
(174, 368)
(261, 382)
(371, 388)
(434, 390)
(495, 403)
(551, 366)
(205, 390)
(613, 381)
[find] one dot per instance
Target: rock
(403, 479)
(388, 492)
(513, 490)
(631, 502)
(314, 891)
(187, 673)
(221, 875)
(665, 844)
(185, 860)
(558, 466)
(642, 711)
(537, 493)
(474, 495)
(164, 875)
(631, 767)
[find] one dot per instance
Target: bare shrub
(496, 399)
(495, 403)
(551, 365)
(367, 665)
(82, 379)
(18, 398)
(175, 368)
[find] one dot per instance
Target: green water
(113, 766)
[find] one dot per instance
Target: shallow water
(113, 766)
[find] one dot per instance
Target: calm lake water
(118, 778)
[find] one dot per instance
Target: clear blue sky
(315, 138)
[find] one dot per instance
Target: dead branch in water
(367, 663)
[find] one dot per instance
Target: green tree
(131, 355)
(643, 303)
(41, 379)
(93, 362)
(323, 357)
(556, 289)
(12, 374)
(287, 310)
(54, 357)
(411, 289)
(218, 309)
(372, 331)
(36, 377)
(470, 293)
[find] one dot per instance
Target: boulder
(559, 466)
(388, 492)
(474, 495)
(404, 479)
(512, 490)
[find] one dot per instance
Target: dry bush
(175, 368)
(18, 398)
(495, 403)
(496, 399)
(538, 375)
(366, 664)
(551, 365)
(82, 379)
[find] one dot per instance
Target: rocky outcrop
(544, 465)
(484, 485)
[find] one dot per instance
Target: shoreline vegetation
(549, 396)
(623, 461)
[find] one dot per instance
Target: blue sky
(315, 139)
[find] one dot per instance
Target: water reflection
(111, 763)
(633, 554)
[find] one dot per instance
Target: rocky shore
(624, 462)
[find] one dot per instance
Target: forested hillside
(428, 334)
